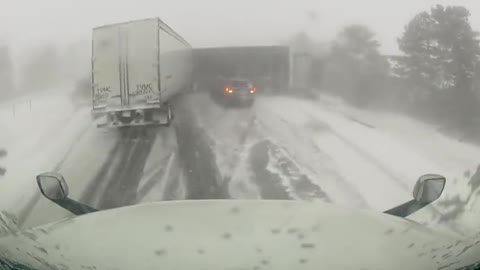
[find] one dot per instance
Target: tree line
(435, 77)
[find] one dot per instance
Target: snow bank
(37, 131)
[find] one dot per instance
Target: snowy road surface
(281, 148)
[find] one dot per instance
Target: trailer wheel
(172, 115)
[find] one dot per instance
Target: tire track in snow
(174, 188)
(355, 197)
(241, 182)
(228, 130)
(165, 184)
(198, 160)
(122, 187)
(161, 168)
(270, 185)
(302, 187)
(258, 159)
(92, 190)
(229, 139)
(363, 172)
(288, 182)
(153, 180)
(244, 134)
(306, 159)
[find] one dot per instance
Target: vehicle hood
(233, 235)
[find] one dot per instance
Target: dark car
(237, 92)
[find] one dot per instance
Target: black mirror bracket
(428, 188)
(54, 187)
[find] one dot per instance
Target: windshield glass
(343, 103)
(239, 83)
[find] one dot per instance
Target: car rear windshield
(239, 83)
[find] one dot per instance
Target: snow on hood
(235, 235)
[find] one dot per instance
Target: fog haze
(215, 22)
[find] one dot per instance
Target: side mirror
(53, 186)
(428, 188)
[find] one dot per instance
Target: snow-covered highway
(281, 148)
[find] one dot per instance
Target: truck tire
(169, 114)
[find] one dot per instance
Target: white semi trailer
(137, 67)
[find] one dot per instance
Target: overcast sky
(215, 22)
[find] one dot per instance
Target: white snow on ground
(337, 144)
(359, 158)
(231, 132)
(290, 129)
(52, 134)
(454, 159)
(241, 185)
(161, 169)
(382, 162)
(446, 154)
(36, 138)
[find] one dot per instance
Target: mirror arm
(75, 207)
(406, 209)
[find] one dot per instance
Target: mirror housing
(54, 187)
(428, 188)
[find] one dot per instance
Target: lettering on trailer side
(144, 89)
(102, 92)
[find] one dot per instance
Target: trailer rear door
(143, 62)
(106, 67)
